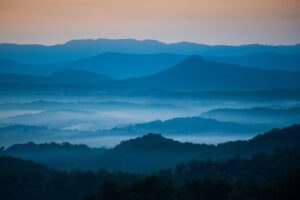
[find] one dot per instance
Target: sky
(232, 22)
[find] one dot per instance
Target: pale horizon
(125, 38)
(212, 22)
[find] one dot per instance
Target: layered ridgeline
(120, 65)
(76, 49)
(192, 74)
(116, 65)
(150, 152)
(268, 61)
(189, 126)
(61, 125)
(68, 77)
(255, 115)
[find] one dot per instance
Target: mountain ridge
(264, 60)
(153, 152)
(195, 74)
(76, 49)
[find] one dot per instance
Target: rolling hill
(68, 77)
(116, 65)
(255, 115)
(153, 152)
(77, 49)
(268, 61)
(122, 66)
(190, 126)
(192, 74)
(196, 74)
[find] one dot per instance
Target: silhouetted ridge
(10, 164)
(196, 74)
(193, 59)
(150, 152)
(149, 142)
(76, 49)
(189, 125)
(67, 77)
(80, 75)
(34, 148)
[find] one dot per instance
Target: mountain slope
(195, 74)
(122, 66)
(68, 77)
(116, 65)
(153, 152)
(76, 49)
(268, 61)
(192, 74)
(189, 126)
(254, 115)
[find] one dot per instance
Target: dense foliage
(154, 188)
(149, 153)
(237, 178)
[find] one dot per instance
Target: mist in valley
(104, 119)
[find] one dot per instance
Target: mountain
(116, 65)
(153, 152)
(10, 164)
(263, 176)
(190, 126)
(21, 133)
(63, 156)
(8, 66)
(12, 67)
(196, 74)
(268, 61)
(192, 74)
(122, 66)
(79, 76)
(67, 77)
(76, 49)
(255, 115)
(253, 96)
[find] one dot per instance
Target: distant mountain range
(150, 152)
(77, 49)
(68, 77)
(255, 115)
(190, 126)
(121, 66)
(268, 61)
(192, 74)
(21, 134)
(32, 127)
(116, 65)
(196, 74)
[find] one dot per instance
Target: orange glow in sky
(202, 21)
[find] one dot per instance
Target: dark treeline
(62, 156)
(261, 177)
(155, 188)
(149, 153)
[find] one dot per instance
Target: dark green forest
(264, 176)
(266, 167)
(149, 153)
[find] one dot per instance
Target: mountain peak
(150, 141)
(194, 59)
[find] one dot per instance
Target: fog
(105, 119)
(112, 141)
